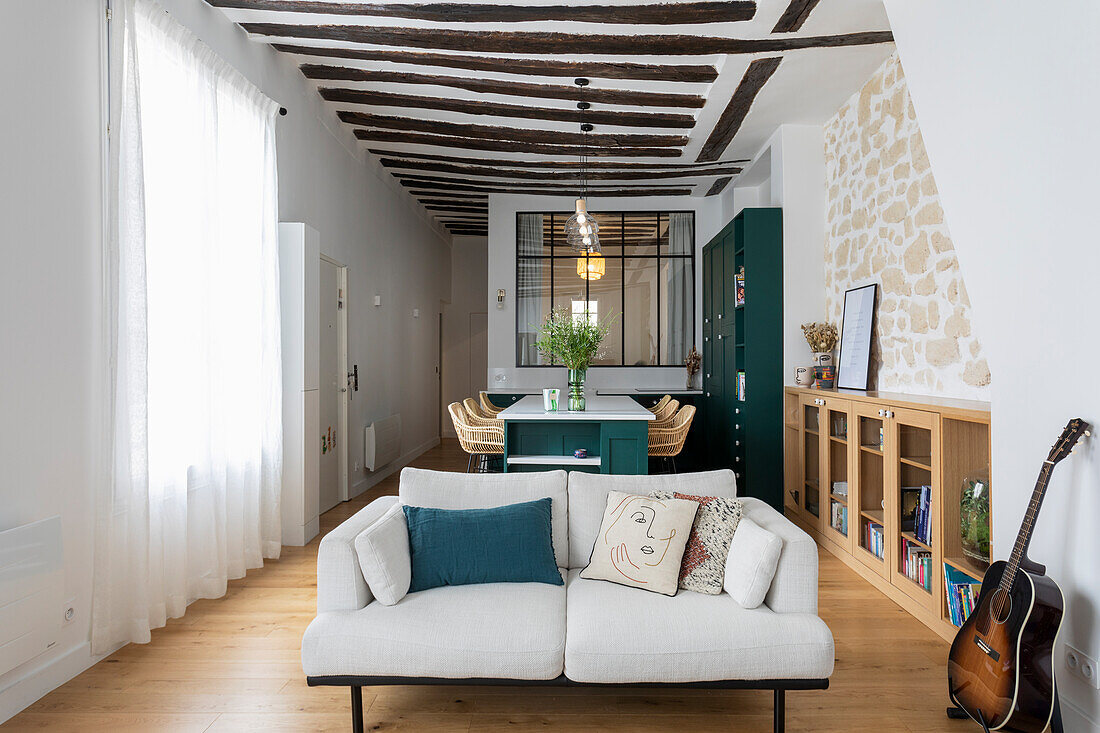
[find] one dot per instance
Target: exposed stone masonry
(884, 224)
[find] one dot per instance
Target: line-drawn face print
(635, 538)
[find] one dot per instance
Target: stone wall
(884, 224)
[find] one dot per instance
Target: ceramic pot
(823, 358)
(803, 376)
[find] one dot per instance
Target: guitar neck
(1023, 539)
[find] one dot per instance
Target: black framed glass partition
(645, 277)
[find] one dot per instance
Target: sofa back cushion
(588, 499)
(450, 490)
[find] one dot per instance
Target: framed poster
(856, 332)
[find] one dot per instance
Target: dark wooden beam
(794, 16)
(756, 76)
(540, 164)
(718, 186)
(453, 208)
(551, 175)
(552, 42)
(466, 181)
(496, 109)
(527, 188)
(700, 73)
(507, 146)
(659, 14)
(507, 88)
(514, 134)
(472, 197)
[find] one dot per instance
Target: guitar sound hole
(1000, 606)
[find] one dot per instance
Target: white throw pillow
(751, 562)
(384, 556)
(641, 542)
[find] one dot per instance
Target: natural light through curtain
(197, 434)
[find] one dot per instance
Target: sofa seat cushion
(499, 630)
(620, 634)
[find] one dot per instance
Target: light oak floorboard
(232, 664)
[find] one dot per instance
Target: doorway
(333, 385)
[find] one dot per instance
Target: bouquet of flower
(572, 340)
(820, 336)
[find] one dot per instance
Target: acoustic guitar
(1001, 667)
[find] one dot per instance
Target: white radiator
(31, 588)
(382, 442)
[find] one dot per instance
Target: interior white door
(333, 379)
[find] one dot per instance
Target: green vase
(576, 390)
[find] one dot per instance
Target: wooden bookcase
(882, 448)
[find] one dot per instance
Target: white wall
(503, 373)
(789, 172)
(1007, 104)
(469, 273)
(51, 412)
(51, 404)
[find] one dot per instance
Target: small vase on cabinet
(576, 390)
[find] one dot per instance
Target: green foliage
(572, 342)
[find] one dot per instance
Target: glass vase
(576, 390)
(974, 516)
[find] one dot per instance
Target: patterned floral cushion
(704, 565)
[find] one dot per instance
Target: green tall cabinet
(745, 342)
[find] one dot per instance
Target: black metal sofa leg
(779, 711)
(357, 709)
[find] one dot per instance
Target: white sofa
(587, 632)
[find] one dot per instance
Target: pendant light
(591, 266)
(581, 230)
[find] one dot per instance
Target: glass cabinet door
(872, 545)
(811, 457)
(836, 449)
(914, 456)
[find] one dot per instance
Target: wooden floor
(232, 664)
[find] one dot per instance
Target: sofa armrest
(340, 583)
(794, 587)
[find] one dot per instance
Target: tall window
(646, 280)
(197, 432)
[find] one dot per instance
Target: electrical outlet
(68, 612)
(1082, 666)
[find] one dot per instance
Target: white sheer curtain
(197, 431)
(679, 304)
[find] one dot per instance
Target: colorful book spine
(962, 594)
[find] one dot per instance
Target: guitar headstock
(1075, 430)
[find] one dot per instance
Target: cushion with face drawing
(641, 542)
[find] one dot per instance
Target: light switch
(416, 313)
(378, 300)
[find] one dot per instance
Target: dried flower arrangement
(692, 362)
(821, 337)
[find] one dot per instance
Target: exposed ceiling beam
(497, 109)
(756, 76)
(507, 88)
(515, 134)
(718, 186)
(507, 146)
(659, 14)
(794, 16)
(575, 174)
(527, 188)
(595, 188)
(551, 42)
(551, 164)
(469, 197)
(699, 73)
(433, 207)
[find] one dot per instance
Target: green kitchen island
(613, 429)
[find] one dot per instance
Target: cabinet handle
(708, 375)
(706, 320)
(708, 394)
(882, 413)
(737, 442)
(719, 316)
(889, 413)
(706, 338)
(737, 426)
(719, 337)
(737, 411)
(737, 459)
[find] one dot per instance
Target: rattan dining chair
(660, 404)
(667, 442)
(477, 415)
(666, 415)
(483, 442)
(487, 405)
